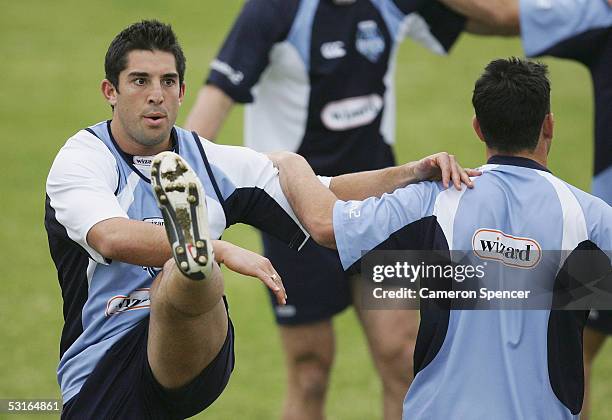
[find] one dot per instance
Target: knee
(311, 375)
(174, 296)
(394, 360)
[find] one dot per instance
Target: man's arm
(438, 167)
(209, 112)
(489, 17)
(313, 203)
(130, 241)
(146, 244)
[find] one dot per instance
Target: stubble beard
(144, 136)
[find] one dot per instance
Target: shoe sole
(182, 201)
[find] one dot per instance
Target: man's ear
(548, 126)
(109, 91)
(476, 127)
(182, 93)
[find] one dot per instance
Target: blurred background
(53, 53)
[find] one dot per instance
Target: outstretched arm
(209, 112)
(438, 167)
(313, 203)
(146, 244)
(489, 17)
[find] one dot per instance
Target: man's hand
(444, 167)
(248, 263)
(277, 158)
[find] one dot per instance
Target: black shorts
(593, 48)
(122, 385)
(317, 287)
(600, 321)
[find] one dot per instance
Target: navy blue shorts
(317, 287)
(122, 385)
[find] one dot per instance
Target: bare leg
(391, 336)
(187, 327)
(188, 322)
(309, 352)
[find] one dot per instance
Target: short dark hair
(146, 35)
(511, 99)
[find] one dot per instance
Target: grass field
(54, 53)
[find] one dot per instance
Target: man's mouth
(154, 118)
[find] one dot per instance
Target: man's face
(147, 100)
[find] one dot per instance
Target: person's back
(514, 363)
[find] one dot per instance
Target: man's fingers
(274, 283)
(279, 282)
(455, 172)
(443, 166)
(465, 177)
(269, 268)
(444, 163)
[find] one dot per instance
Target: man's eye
(169, 82)
(139, 82)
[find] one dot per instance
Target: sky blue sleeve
(599, 223)
(545, 23)
(362, 225)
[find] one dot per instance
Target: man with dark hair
(138, 341)
(481, 364)
(576, 30)
(146, 35)
(518, 126)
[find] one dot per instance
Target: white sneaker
(181, 198)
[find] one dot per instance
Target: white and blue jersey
(483, 364)
(579, 30)
(92, 180)
(318, 76)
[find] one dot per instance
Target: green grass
(54, 53)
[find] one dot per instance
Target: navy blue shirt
(319, 76)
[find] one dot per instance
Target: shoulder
(275, 11)
(238, 163)
(597, 216)
(591, 204)
(228, 154)
(83, 153)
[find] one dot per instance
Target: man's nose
(156, 95)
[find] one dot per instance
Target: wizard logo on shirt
(137, 299)
(512, 251)
(369, 40)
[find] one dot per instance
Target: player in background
(318, 79)
(481, 364)
(575, 30)
(139, 341)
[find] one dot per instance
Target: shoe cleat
(178, 190)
